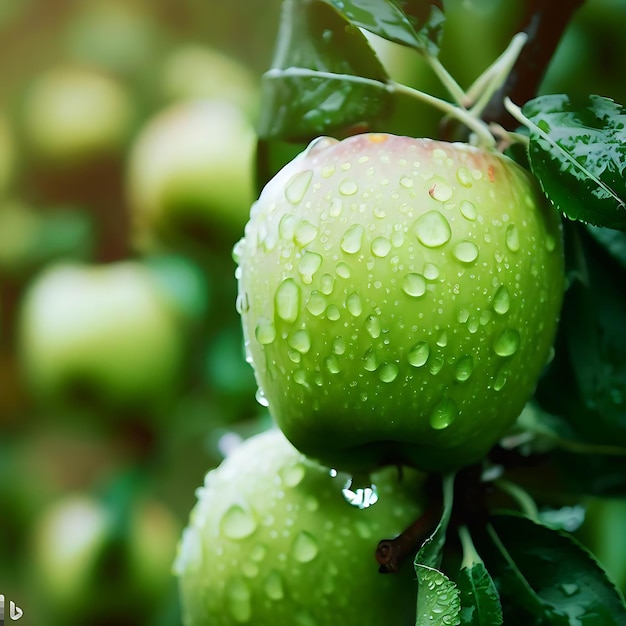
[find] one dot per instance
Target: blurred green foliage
(96, 485)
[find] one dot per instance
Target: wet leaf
(546, 576)
(397, 21)
(480, 600)
(578, 153)
(438, 597)
(324, 77)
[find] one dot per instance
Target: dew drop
(442, 340)
(406, 182)
(336, 207)
(309, 264)
(511, 238)
(432, 229)
(462, 315)
(352, 239)
(287, 300)
(360, 497)
(328, 171)
(332, 364)
(348, 187)
(265, 332)
(501, 300)
(440, 191)
(343, 270)
(372, 326)
(339, 345)
(319, 144)
(237, 522)
(258, 552)
(259, 396)
(333, 313)
(242, 304)
(273, 586)
(507, 343)
(431, 271)
(550, 243)
(300, 341)
(354, 305)
(238, 599)
(316, 304)
(305, 233)
(304, 547)
(292, 474)
(464, 177)
(287, 226)
(397, 238)
(436, 365)
(443, 414)
(500, 381)
(466, 251)
(381, 247)
(371, 361)
(418, 354)
(297, 186)
(414, 285)
(468, 210)
(464, 368)
(388, 372)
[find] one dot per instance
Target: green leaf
(324, 77)
(549, 575)
(480, 600)
(389, 20)
(438, 601)
(578, 152)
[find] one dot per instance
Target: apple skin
(190, 174)
(399, 299)
(107, 330)
(273, 541)
(71, 113)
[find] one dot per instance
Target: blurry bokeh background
(126, 176)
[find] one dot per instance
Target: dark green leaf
(549, 575)
(388, 19)
(438, 598)
(614, 242)
(324, 77)
(578, 152)
(480, 601)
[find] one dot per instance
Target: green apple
(399, 299)
(190, 173)
(72, 113)
(273, 541)
(76, 542)
(104, 333)
(194, 71)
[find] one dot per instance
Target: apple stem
(474, 123)
(447, 80)
(391, 552)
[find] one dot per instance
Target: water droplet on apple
(501, 300)
(440, 191)
(319, 144)
(360, 497)
(332, 364)
(468, 210)
(238, 599)
(327, 284)
(348, 187)
(292, 474)
(273, 586)
(443, 414)
(305, 233)
(237, 522)
(259, 396)
(500, 380)
(406, 182)
(381, 247)
(507, 343)
(371, 361)
(287, 300)
(432, 229)
(466, 251)
(431, 271)
(388, 372)
(464, 368)
(511, 238)
(297, 186)
(265, 332)
(354, 304)
(418, 354)
(352, 239)
(464, 177)
(316, 304)
(343, 270)
(309, 264)
(414, 285)
(372, 326)
(304, 548)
